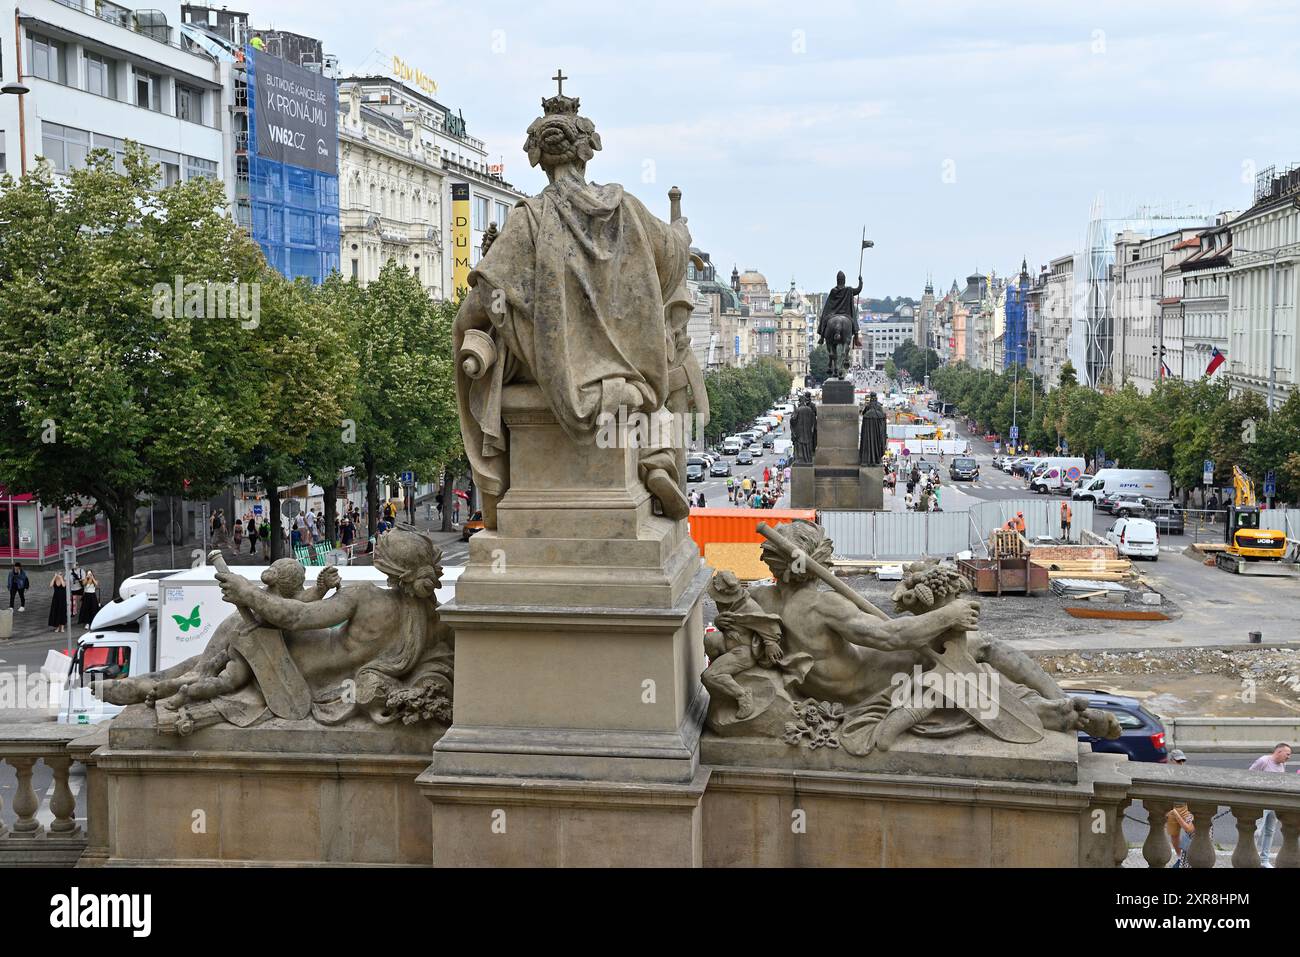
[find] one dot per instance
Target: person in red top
(767, 475)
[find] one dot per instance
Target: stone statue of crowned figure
(583, 293)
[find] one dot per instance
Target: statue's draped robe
(873, 439)
(581, 274)
(803, 429)
(839, 302)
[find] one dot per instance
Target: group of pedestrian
(752, 493)
(84, 595)
(1180, 823)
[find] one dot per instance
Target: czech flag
(1216, 360)
(1164, 370)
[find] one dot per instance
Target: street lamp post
(18, 89)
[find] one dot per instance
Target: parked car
(1128, 505)
(744, 457)
(475, 524)
(695, 472)
(1135, 538)
(1166, 514)
(769, 440)
(964, 469)
(720, 468)
(1142, 734)
(999, 461)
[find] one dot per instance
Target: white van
(732, 445)
(1149, 482)
(1057, 474)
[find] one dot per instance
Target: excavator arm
(1243, 488)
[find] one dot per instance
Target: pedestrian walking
(89, 599)
(1274, 763)
(1067, 519)
(1179, 822)
(18, 582)
(252, 536)
(264, 536)
(77, 586)
(58, 620)
(237, 533)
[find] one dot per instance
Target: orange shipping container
(712, 525)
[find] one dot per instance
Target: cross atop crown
(560, 103)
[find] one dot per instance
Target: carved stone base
(769, 815)
(524, 822)
(265, 795)
(837, 392)
(971, 754)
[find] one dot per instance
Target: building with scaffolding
(1090, 308)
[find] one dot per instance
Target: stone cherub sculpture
(862, 687)
(220, 668)
(571, 296)
(746, 637)
(365, 652)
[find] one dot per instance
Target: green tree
(819, 364)
(403, 414)
(109, 389)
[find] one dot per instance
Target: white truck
(1151, 483)
(163, 619)
(1057, 474)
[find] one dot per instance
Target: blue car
(1142, 736)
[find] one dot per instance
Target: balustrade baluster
(1156, 849)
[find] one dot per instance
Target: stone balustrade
(27, 842)
(1247, 794)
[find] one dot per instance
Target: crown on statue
(552, 105)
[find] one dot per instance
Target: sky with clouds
(964, 135)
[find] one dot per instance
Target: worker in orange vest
(1017, 524)
(1067, 518)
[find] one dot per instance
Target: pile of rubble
(1278, 668)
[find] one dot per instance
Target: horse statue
(840, 335)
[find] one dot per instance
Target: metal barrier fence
(861, 534)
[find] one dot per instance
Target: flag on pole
(1216, 360)
(1164, 369)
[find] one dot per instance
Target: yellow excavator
(1245, 541)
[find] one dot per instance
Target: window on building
(503, 211)
(169, 164)
(355, 268)
(189, 103)
(3, 167)
(64, 147)
(101, 75)
(46, 58)
(148, 90)
(116, 147)
(482, 210)
(196, 167)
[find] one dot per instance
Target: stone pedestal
(835, 480)
(579, 645)
(282, 792)
(921, 805)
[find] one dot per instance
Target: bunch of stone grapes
(925, 587)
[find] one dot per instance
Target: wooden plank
(1118, 614)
